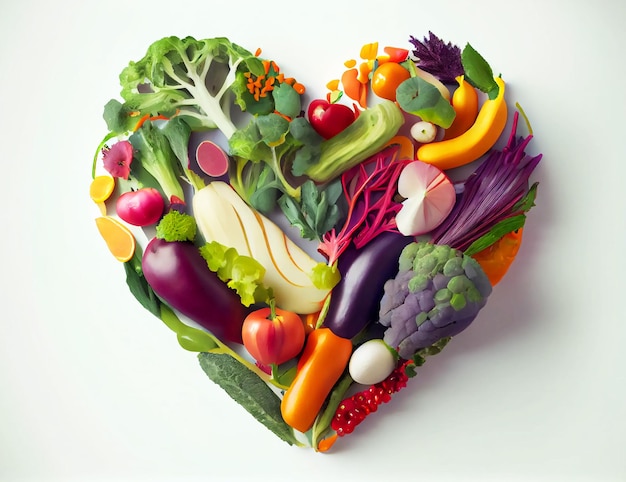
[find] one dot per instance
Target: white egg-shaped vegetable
(424, 132)
(371, 362)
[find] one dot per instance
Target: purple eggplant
(355, 300)
(180, 276)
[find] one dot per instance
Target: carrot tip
(325, 444)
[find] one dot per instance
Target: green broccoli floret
(176, 226)
(188, 78)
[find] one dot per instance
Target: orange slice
(118, 238)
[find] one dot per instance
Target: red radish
(212, 159)
(143, 207)
(429, 194)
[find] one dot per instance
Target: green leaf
(287, 100)
(528, 201)
(498, 230)
(293, 213)
(284, 374)
(307, 156)
(318, 211)
(247, 143)
(242, 274)
(324, 276)
(273, 128)
(419, 97)
(478, 72)
(247, 389)
(138, 285)
(117, 117)
(178, 132)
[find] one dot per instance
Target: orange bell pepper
(323, 361)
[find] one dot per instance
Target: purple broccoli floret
(437, 293)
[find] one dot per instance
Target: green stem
(323, 421)
(291, 191)
(193, 339)
(109, 136)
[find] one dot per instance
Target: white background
(94, 388)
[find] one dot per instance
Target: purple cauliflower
(437, 293)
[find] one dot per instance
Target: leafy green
(155, 155)
(286, 100)
(241, 273)
(118, 117)
(478, 72)
(273, 128)
(267, 139)
(317, 212)
(138, 285)
(176, 226)
(178, 133)
(325, 276)
(419, 97)
(247, 389)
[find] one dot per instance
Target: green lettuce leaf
(242, 274)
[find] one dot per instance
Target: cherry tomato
(328, 119)
(386, 79)
(273, 340)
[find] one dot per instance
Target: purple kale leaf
(441, 59)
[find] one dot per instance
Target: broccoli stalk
(189, 78)
(156, 160)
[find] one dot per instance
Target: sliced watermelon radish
(429, 195)
(212, 159)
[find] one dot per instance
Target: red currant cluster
(352, 411)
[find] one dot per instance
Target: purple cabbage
(490, 195)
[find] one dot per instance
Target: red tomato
(328, 119)
(273, 341)
(386, 79)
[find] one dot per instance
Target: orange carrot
(148, 117)
(353, 88)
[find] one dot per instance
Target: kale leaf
(247, 389)
(441, 59)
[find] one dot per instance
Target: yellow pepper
(465, 103)
(476, 141)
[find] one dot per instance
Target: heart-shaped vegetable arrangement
(311, 333)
